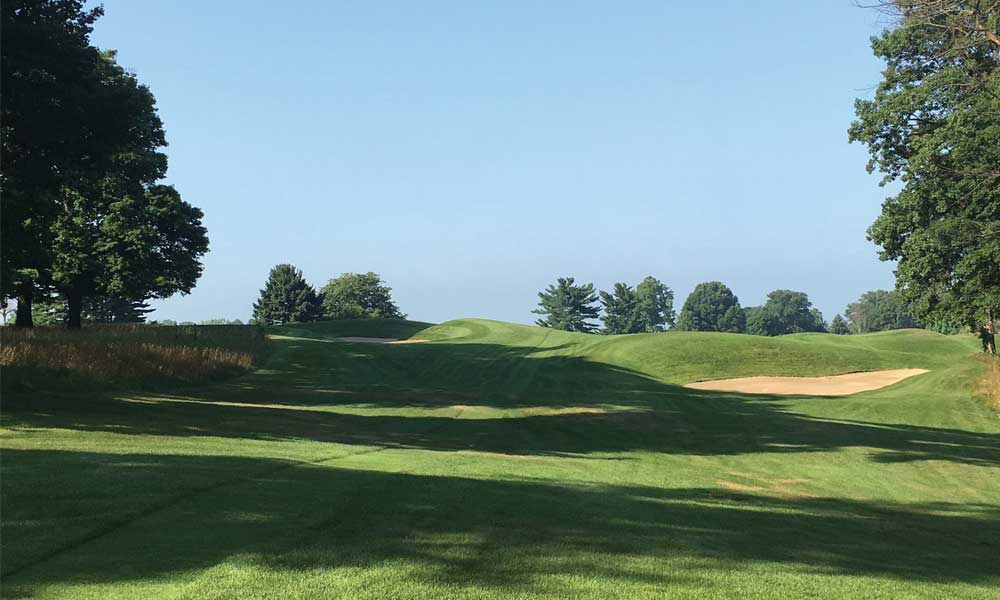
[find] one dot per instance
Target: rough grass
(124, 356)
(504, 461)
(989, 385)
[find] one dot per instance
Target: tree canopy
(879, 310)
(83, 212)
(785, 311)
(359, 296)
(567, 306)
(932, 123)
(712, 306)
(286, 298)
(647, 308)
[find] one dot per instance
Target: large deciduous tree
(286, 298)
(568, 306)
(712, 306)
(359, 296)
(933, 123)
(82, 158)
(785, 311)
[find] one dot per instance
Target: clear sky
(471, 152)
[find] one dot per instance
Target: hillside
(502, 460)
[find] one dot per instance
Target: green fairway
(507, 461)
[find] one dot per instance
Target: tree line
(712, 306)
(288, 298)
(86, 220)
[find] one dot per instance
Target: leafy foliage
(785, 311)
(286, 298)
(82, 140)
(933, 124)
(568, 307)
(359, 296)
(712, 307)
(880, 310)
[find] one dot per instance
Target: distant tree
(932, 124)
(621, 313)
(220, 322)
(568, 307)
(654, 306)
(187, 323)
(839, 326)
(879, 310)
(165, 323)
(784, 312)
(359, 296)
(286, 298)
(712, 307)
(755, 322)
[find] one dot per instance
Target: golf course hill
(483, 459)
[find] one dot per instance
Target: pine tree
(286, 298)
(839, 325)
(654, 306)
(567, 306)
(621, 310)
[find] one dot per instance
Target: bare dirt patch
(836, 385)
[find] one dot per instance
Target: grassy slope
(512, 461)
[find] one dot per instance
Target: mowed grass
(506, 461)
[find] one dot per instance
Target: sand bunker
(378, 340)
(836, 385)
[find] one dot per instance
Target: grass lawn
(506, 461)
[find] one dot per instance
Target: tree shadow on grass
(507, 399)
(87, 517)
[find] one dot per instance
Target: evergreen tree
(568, 307)
(359, 296)
(655, 305)
(286, 298)
(712, 306)
(838, 325)
(621, 313)
(111, 309)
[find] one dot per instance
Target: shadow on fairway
(484, 533)
(617, 410)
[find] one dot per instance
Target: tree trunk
(74, 306)
(25, 294)
(990, 338)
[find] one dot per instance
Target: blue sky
(471, 152)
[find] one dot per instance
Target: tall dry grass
(124, 355)
(989, 385)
